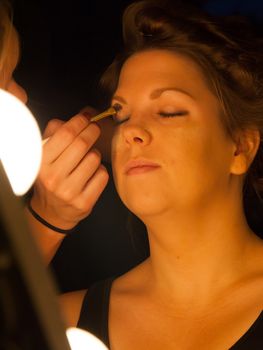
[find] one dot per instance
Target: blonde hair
(6, 28)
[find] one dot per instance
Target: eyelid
(118, 110)
(117, 106)
(162, 114)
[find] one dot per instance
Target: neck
(197, 255)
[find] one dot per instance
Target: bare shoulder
(71, 304)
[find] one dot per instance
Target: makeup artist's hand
(71, 177)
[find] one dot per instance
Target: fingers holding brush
(71, 177)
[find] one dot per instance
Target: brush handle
(110, 111)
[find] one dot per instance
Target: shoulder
(71, 304)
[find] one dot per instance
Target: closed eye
(171, 115)
(117, 121)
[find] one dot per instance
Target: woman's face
(9, 82)
(170, 151)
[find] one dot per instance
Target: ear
(246, 144)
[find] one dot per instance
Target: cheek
(197, 154)
(116, 151)
(114, 144)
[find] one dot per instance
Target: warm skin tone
(202, 286)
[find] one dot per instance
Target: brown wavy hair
(227, 49)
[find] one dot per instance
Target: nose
(136, 135)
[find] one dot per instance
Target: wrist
(48, 224)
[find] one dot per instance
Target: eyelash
(162, 114)
(172, 115)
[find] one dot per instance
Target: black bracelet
(45, 223)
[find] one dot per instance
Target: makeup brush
(112, 111)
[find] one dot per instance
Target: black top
(95, 311)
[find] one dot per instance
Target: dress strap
(95, 310)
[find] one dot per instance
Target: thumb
(52, 126)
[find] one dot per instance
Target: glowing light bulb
(82, 340)
(20, 143)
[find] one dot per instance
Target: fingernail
(87, 115)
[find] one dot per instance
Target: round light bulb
(82, 340)
(20, 143)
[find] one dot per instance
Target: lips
(139, 166)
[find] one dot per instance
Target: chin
(143, 206)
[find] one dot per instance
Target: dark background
(66, 45)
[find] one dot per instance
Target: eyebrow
(119, 98)
(157, 93)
